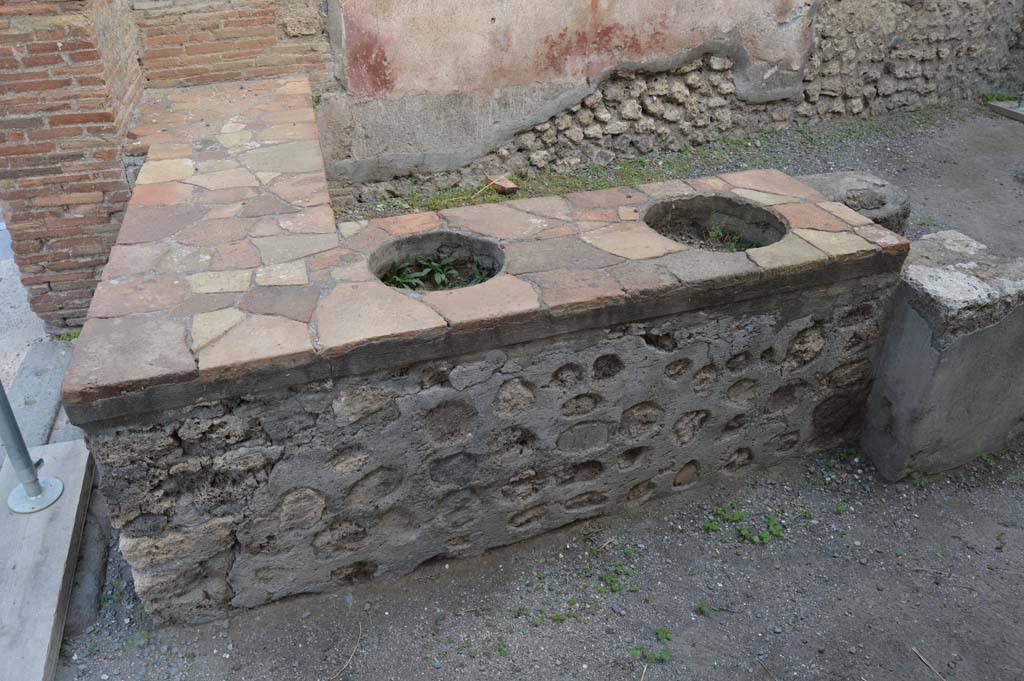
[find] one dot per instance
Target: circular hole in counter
(715, 223)
(437, 261)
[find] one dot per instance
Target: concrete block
(948, 383)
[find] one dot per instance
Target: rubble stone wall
(240, 502)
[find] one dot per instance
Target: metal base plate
(19, 502)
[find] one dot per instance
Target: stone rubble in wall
(239, 502)
(869, 60)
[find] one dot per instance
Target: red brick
(54, 133)
(41, 60)
(72, 119)
(69, 199)
(85, 56)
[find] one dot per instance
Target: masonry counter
(280, 404)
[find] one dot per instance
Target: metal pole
(34, 493)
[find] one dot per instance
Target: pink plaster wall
(394, 48)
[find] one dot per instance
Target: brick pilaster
(69, 82)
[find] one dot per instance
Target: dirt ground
(861, 580)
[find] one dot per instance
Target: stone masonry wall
(186, 42)
(870, 57)
(240, 502)
(69, 80)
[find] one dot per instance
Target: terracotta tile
(289, 157)
(163, 194)
(165, 151)
(133, 259)
(496, 220)
(257, 341)
(358, 270)
(327, 259)
(240, 255)
(838, 245)
(293, 302)
(597, 215)
(845, 213)
(316, 220)
(641, 277)
(278, 249)
(790, 254)
(293, 116)
(226, 196)
(199, 302)
(890, 242)
(763, 198)
(670, 189)
(632, 240)
(709, 185)
(288, 131)
(283, 274)
(269, 226)
(221, 211)
(555, 254)
(809, 216)
(499, 300)
(564, 229)
(699, 268)
(366, 240)
(224, 179)
(554, 207)
(214, 162)
(304, 189)
(185, 259)
(233, 140)
(215, 232)
(408, 224)
(228, 281)
(154, 172)
(113, 356)
(607, 198)
(356, 314)
(266, 204)
(120, 297)
(571, 290)
(209, 326)
(143, 224)
(773, 182)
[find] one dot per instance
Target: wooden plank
(37, 564)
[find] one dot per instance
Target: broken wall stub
(238, 502)
(948, 385)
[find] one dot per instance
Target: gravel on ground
(815, 569)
